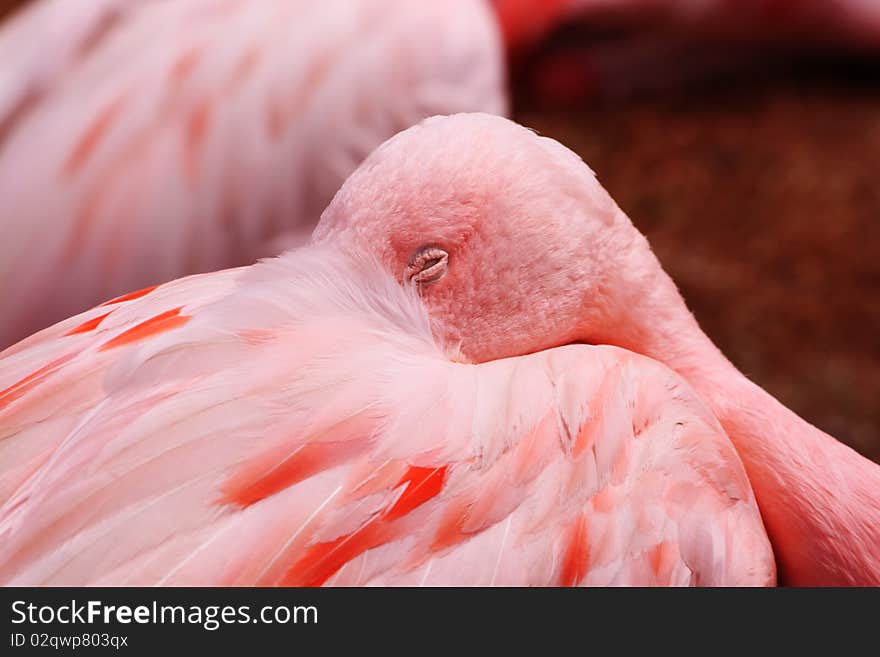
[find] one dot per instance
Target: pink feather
(304, 427)
(142, 140)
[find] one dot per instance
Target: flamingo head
(510, 240)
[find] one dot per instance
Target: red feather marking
(586, 436)
(31, 381)
(244, 68)
(308, 460)
(450, 531)
(137, 294)
(594, 423)
(662, 558)
(422, 485)
(197, 130)
(89, 325)
(321, 561)
(92, 137)
(168, 320)
(576, 559)
(184, 66)
(286, 465)
(531, 452)
(603, 501)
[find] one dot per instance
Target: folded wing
(295, 423)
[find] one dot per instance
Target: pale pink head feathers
(517, 245)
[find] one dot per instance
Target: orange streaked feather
(421, 485)
(450, 531)
(137, 294)
(159, 324)
(196, 131)
(662, 558)
(283, 465)
(90, 139)
(321, 561)
(576, 559)
(185, 65)
(31, 381)
(306, 461)
(89, 325)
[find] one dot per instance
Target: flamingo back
(295, 422)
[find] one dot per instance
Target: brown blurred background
(758, 191)
(7, 6)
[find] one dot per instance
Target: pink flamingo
(535, 254)
(298, 422)
(144, 140)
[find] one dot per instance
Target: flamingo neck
(820, 499)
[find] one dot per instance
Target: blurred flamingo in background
(144, 140)
(295, 422)
(308, 420)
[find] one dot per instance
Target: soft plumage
(537, 255)
(141, 140)
(295, 422)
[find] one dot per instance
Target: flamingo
(535, 254)
(378, 407)
(142, 140)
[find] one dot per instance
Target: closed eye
(427, 265)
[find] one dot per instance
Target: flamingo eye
(427, 265)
